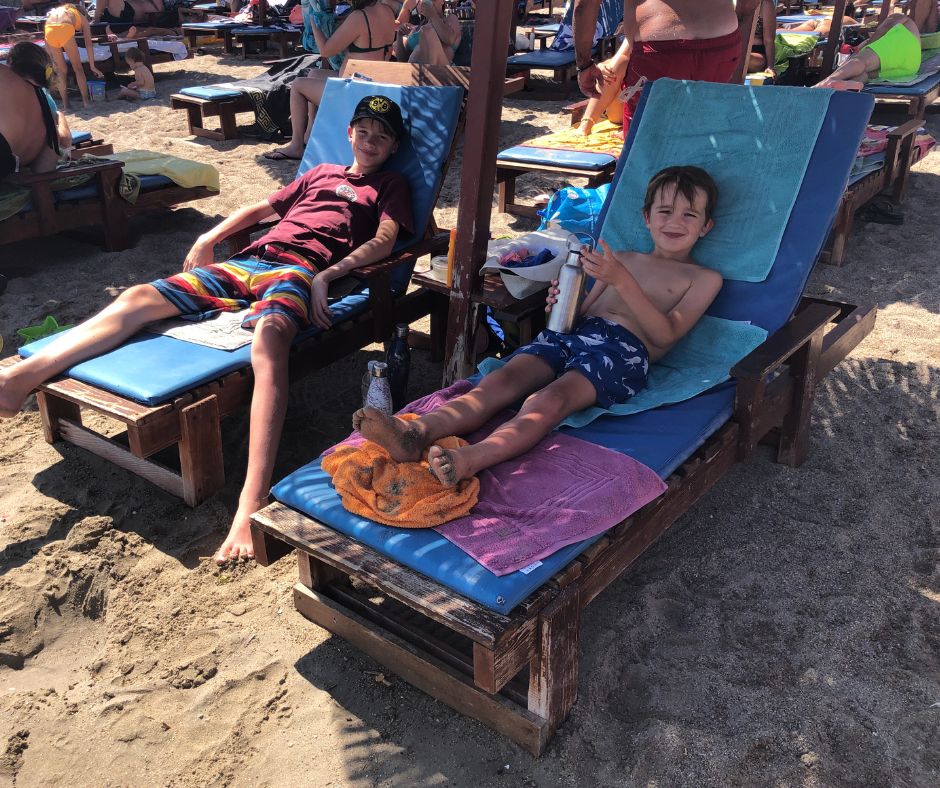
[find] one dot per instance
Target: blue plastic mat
(582, 160)
(917, 89)
(210, 92)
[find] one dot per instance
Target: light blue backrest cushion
(430, 115)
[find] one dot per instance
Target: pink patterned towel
(563, 491)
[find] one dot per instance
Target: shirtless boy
(682, 39)
(639, 307)
(143, 86)
(332, 220)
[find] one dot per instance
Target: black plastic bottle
(398, 359)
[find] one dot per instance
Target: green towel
(787, 46)
(701, 359)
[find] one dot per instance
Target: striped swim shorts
(244, 282)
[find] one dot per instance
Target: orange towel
(403, 494)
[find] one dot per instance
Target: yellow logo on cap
(379, 104)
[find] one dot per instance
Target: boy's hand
(200, 255)
(320, 313)
(552, 298)
(603, 266)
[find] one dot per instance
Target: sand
(785, 632)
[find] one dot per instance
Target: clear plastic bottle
(398, 359)
(377, 393)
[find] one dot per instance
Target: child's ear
(707, 228)
(646, 218)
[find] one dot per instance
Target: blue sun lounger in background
(169, 392)
(505, 649)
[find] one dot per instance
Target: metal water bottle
(564, 314)
(378, 395)
(398, 358)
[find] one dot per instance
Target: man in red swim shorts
(682, 39)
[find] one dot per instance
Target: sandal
(276, 155)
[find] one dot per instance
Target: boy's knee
(273, 331)
(139, 297)
(553, 401)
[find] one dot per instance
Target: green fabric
(899, 53)
(787, 46)
(46, 328)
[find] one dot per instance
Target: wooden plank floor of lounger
(518, 673)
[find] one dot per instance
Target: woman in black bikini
(30, 133)
(366, 34)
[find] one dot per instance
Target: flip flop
(276, 155)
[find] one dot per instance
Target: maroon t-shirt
(327, 212)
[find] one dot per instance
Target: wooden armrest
(432, 245)
(908, 129)
(31, 178)
(779, 346)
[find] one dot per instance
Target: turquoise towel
(757, 153)
(701, 359)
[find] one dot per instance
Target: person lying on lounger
(892, 53)
(640, 306)
(333, 219)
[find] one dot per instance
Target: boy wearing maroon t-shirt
(333, 219)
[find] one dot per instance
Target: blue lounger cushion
(155, 369)
(661, 439)
(917, 89)
(151, 368)
(582, 160)
(80, 136)
(543, 58)
(83, 192)
(211, 92)
(211, 26)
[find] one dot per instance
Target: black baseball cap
(383, 109)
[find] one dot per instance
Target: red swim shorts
(701, 59)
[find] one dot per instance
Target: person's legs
(270, 349)
(71, 49)
(406, 441)
(305, 96)
(129, 94)
(61, 73)
(429, 51)
(123, 318)
(540, 414)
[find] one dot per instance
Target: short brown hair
(686, 179)
(134, 54)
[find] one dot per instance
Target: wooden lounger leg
(200, 449)
(194, 120)
(51, 409)
(227, 121)
(506, 191)
(553, 671)
(794, 433)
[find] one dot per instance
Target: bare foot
(131, 33)
(403, 440)
(109, 34)
(11, 396)
(237, 544)
(448, 466)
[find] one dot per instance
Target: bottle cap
(401, 330)
(379, 369)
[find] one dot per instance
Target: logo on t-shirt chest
(346, 191)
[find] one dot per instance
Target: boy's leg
(270, 349)
(123, 318)
(539, 415)
(406, 441)
(429, 51)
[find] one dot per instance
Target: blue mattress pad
(581, 160)
(921, 88)
(87, 190)
(542, 58)
(210, 92)
(80, 136)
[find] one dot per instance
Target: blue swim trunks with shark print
(608, 355)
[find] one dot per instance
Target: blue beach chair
(559, 57)
(505, 649)
(173, 393)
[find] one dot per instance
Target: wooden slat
(845, 336)
(200, 450)
(156, 474)
(553, 674)
(113, 405)
(424, 672)
(51, 409)
(476, 622)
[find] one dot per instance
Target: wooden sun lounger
(891, 178)
(191, 423)
(254, 41)
(518, 673)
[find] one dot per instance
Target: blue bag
(575, 210)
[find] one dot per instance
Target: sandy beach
(785, 632)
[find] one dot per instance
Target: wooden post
(477, 179)
(794, 433)
(832, 43)
(200, 449)
(553, 671)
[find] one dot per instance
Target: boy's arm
(202, 252)
(372, 251)
(593, 294)
(663, 330)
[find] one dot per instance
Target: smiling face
(675, 223)
(372, 143)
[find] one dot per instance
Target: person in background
(32, 132)
(62, 24)
(142, 87)
(435, 38)
(763, 53)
